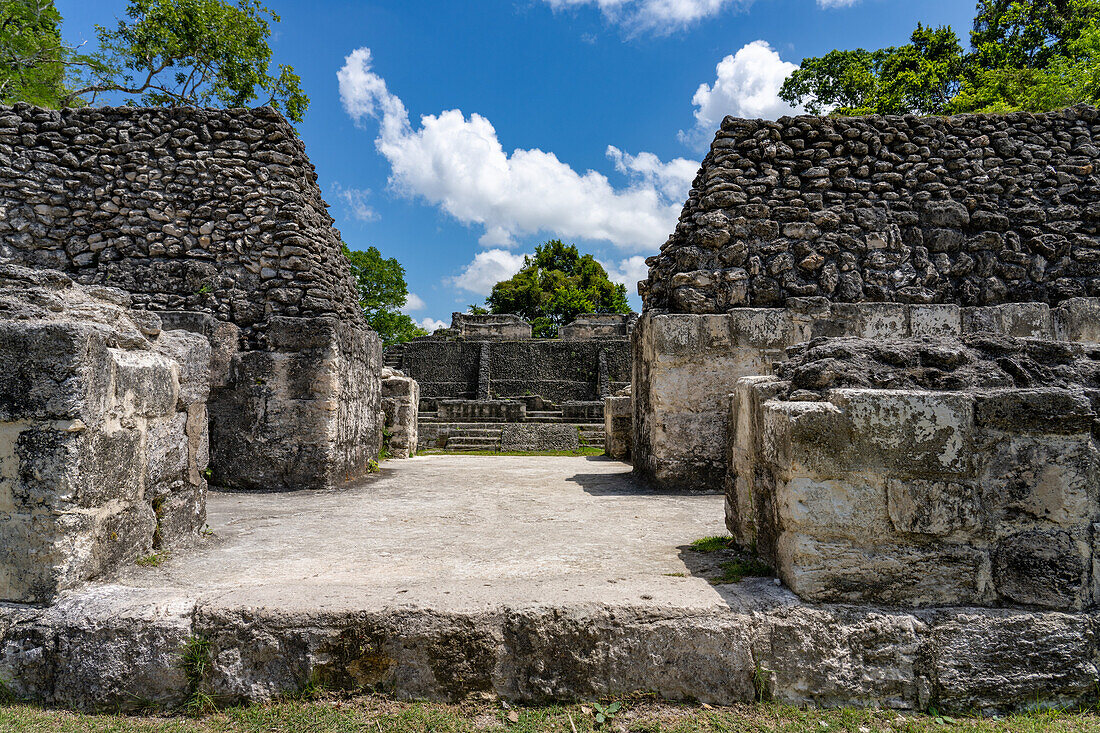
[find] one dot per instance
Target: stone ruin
(103, 433)
(187, 276)
(213, 219)
(879, 337)
(486, 384)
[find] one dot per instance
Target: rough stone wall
(964, 483)
(103, 433)
(186, 209)
(599, 325)
(618, 415)
(489, 326)
(970, 210)
(305, 411)
(210, 212)
(557, 370)
(686, 365)
(401, 404)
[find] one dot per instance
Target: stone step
(471, 444)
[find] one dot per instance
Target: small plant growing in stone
(604, 715)
(195, 660)
(152, 561)
(738, 570)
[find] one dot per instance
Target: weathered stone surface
(599, 325)
(539, 437)
(400, 403)
(103, 433)
(618, 416)
(504, 606)
(974, 494)
(504, 326)
(969, 210)
(186, 209)
(304, 413)
(685, 366)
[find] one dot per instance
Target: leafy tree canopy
(163, 53)
(32, 56)
(555, 286)
(1033, 55)
(382, 293)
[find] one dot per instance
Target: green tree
(32, 56)
(1028, 34)
(920, 77)
(191, 53)
(382, 293)
(555, 286)
(1033, 55)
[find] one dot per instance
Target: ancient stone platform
(534, 578)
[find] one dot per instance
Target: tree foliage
(382, 293)
(32, 56)
(195, 53)
(192, 53)
(555, 286)
(1033, 55)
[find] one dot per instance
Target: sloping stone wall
(971, 210)
(186, 209)
(197, 211)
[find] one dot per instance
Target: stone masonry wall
(103, 433)
(197, 211)
(186, 209)
(557, 370)
(685, 366)
(972, 479)
(970, 210)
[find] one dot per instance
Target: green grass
(441, 452)
(152, 561)
(377, 714)
(737, 570)
(712, 544)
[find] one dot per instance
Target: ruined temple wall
(557, 370)
(969, 210)
(685, 365)
(216, 212)
(187, 209)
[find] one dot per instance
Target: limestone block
(1022, 320)
(539, 437)
(618, 414)
(96, 441)
(1078, 319)
(935, 320)
(302, 414)
(400, 403)
(904, 497)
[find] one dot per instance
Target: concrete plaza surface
(449, 532)
(531, 578)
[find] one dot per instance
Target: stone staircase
(395, 356)
(592, 436)
(474, 438)
(459, 437)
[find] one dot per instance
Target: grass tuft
(737, 570)
(712, 544)
(152, 561)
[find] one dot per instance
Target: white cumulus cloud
(458, 163)
(431, 325)
(628, 272)
(413, 303)
(662, 17)
(673, 179)
(486, 270)
(747, 85)
(659, 16)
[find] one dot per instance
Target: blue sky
(455, 135)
